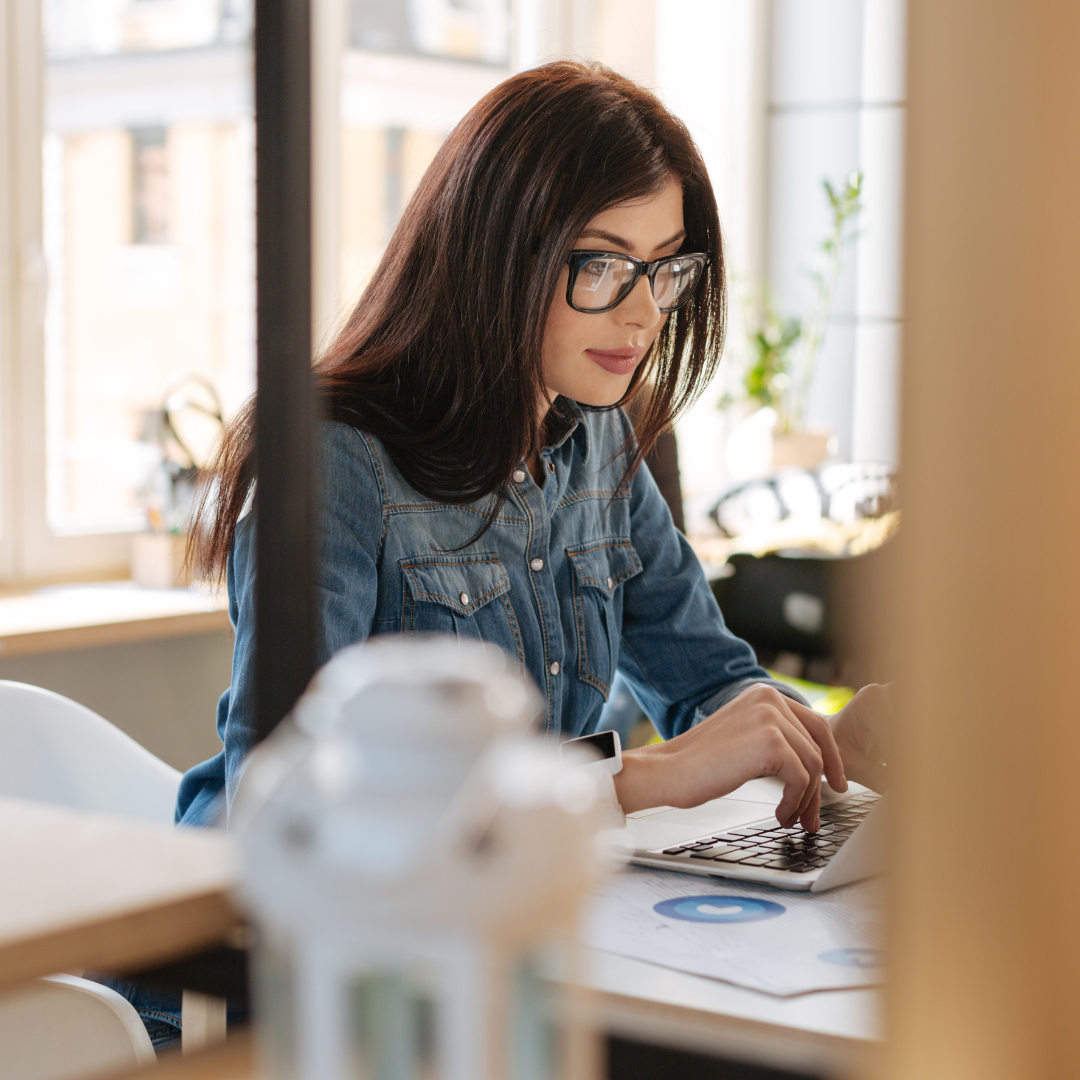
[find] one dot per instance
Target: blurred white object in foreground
(408, 847)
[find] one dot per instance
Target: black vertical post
(284, 422)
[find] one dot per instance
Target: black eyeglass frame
(577, 259)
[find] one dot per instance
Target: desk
(85, 890)
(833, 1033)
(89, 891)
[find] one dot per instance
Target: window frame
(29, 549)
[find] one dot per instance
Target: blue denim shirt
(576, 578)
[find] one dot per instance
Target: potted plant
(783, 351)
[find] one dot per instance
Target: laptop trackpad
(671, 827)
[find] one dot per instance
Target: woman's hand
(760, 732)
(861, 730)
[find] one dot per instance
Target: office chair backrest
(54, 750)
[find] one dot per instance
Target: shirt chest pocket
(599, 568)
(462, 596)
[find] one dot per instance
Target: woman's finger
(819, 729)
(790, 770)
(812, 760)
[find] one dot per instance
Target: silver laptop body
(738, 837)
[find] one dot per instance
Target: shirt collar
(578, 427)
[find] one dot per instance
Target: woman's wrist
(643, 781)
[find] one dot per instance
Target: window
(136, 240)
(150, 185)
(127, 215)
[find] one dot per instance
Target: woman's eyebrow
(619, 241)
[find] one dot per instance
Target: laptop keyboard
(765, 844)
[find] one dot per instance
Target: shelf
(63, 617)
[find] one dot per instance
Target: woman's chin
(598, 397)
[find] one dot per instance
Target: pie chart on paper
(857, 958)
(718, 909)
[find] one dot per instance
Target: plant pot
(803, 449)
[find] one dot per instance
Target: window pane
(473, 30)
(149, 231)
(412, 69)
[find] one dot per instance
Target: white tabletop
(833, 1032)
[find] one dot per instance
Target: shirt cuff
(733, 690)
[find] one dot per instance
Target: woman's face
(591, 357)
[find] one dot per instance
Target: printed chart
(782, 943)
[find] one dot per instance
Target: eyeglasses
(601, 280)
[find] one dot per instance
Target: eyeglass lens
(604, 281)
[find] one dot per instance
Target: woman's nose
(639, 308)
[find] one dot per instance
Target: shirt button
(554, 669)
(519, 476)
(464, 598)
(609, 581)
(537, 564)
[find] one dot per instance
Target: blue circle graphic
(857, 958)
(718, 909)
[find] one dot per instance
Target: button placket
(539, 502)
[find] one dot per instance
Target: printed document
(783, 943)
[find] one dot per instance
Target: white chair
(53, 749)
(61, 1028)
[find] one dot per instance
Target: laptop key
(674, 850)
(713, 852)
(786, 863)
(755, 860)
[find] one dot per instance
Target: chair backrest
(63, 1028)
(54, 750)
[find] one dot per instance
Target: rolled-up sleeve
(680, 660)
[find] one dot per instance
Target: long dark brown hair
(441, 358)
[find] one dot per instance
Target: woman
(480, 477)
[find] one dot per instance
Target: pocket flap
(462, 583)
(604, 564)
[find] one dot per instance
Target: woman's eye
(596, 268)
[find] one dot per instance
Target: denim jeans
(158, 1009)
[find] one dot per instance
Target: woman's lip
(617, 361)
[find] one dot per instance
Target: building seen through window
(149, 207)
(477, 30)
(150, 186)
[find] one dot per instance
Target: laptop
(739, 838)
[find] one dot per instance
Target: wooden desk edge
(744, 1040)
(113, 633)
(233, 1059)
(124, 941)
